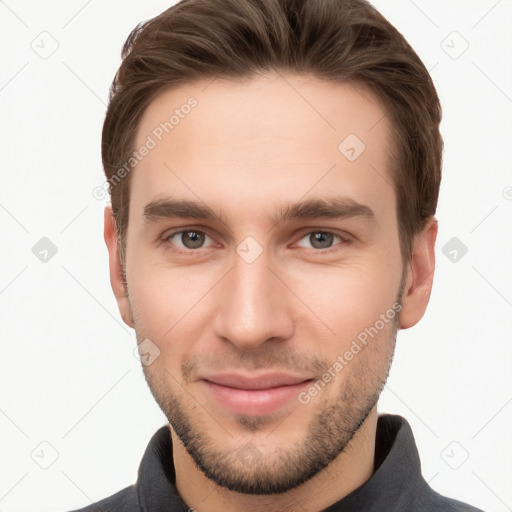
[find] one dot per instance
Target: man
(274, 169)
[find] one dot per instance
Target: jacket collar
(396, 480)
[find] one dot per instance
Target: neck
(347, 472)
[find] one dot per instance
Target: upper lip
(262, 381)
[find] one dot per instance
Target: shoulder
(438, 503)
(125, 500)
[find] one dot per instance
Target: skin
(246, 151)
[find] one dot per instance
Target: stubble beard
(287, 467)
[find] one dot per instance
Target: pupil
(192, 239)
(321, 240)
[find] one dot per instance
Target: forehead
(245, 143)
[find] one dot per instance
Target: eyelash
(344, 240)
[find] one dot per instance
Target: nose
(254, 306)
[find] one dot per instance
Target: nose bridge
(251, 305)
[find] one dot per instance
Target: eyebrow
(334, 208)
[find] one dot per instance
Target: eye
(188, 239)
(320, 240)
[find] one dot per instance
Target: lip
(262, 381)
(254, 395)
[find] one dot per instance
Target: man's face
(273, 290)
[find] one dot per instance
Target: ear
(420, 276)
(116, 267)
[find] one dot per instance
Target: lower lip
(254, 402)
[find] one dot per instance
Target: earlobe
(116, 268)
(420, 276)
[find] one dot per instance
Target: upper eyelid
(174, 231)
(338, 232)
(299, 235)
(168, 235)
(344, 240)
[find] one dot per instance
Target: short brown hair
(335, 40)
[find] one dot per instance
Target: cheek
(156, 295)
(347, 298)
(169, 305)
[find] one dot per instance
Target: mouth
(255, 396)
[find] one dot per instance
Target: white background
(68, 374)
